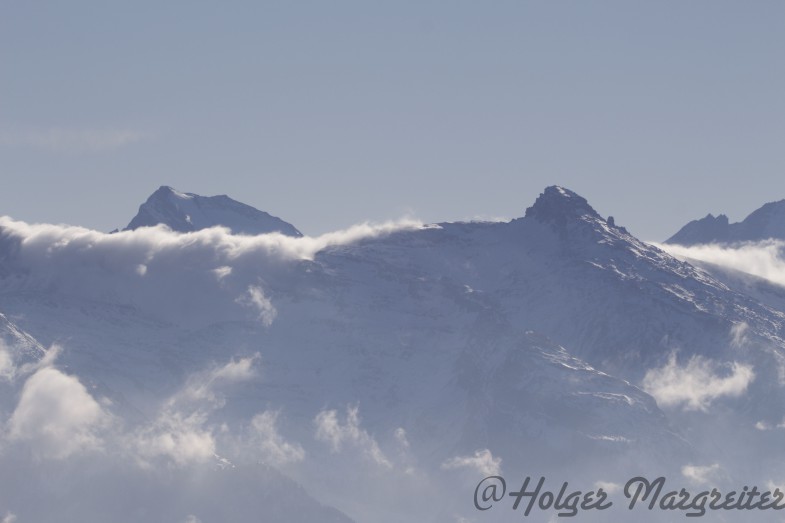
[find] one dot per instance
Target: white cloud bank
(765, 259)
(190, 279)
(697, 384)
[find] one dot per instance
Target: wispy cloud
(275, 449)
(7, 369)
(608, 486)
(698, 383)
(702, 475)
(482, 461)
(738, 333)
(68, 139)
(181, 433)
(329, 429)
(764, 259)
(255, 298)
(222, 272)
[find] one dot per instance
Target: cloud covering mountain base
(382, 370)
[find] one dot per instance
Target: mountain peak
(166, 190)
(766, 222)
(186, 212)
(708, 229)
(558, 205)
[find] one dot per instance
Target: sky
(332, 113)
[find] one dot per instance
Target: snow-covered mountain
(185, 212)
(762, 224)
(387, 369)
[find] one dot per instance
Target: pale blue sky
(328, 113)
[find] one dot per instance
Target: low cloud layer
(765, 259)
(192, 278)
(697, 384)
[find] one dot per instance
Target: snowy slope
(411, 360)
(186, 212)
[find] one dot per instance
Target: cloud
(190, 279)
(7, 369)
(8, 518)
(222, 272)
(763, 425)
(69, 140)
(237, 370)
(608, 486)
(181, 432)
(696, 385)
(275, 450)
(400, 437)
(47, 360)
(201, 389)
(255, 298)
(57, 416)
(702, 475)
(482, 461)
(330, 430)
(181, 438)
(738, 333)
(147, 243)
(764, 259)
(772, 486)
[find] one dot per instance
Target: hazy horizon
(330, 115)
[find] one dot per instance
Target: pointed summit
(559, 205)
(186, 212)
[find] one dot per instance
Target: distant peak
(185, 212)
(558, 204)
(764, 223)
(166, 191)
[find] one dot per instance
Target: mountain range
(767, 222)
(213, 354)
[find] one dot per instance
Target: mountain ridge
(766, 222)
(188, 212)
(528, 345)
